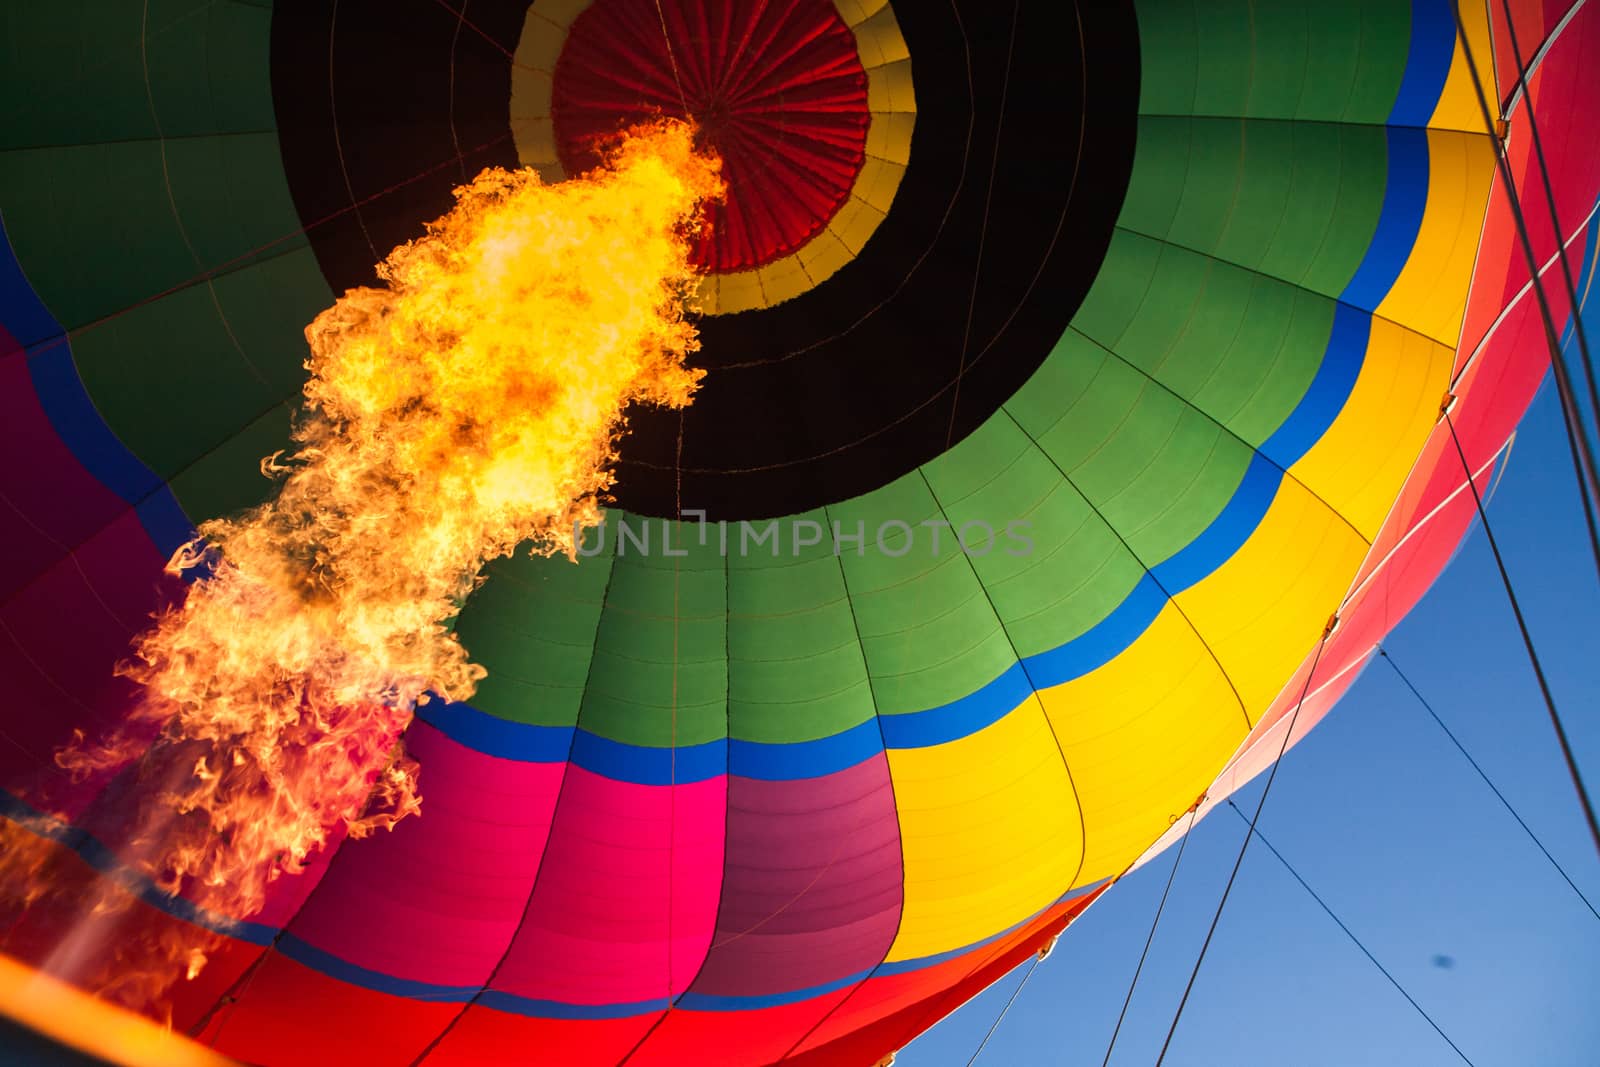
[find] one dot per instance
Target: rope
(1009, 1001)
(1579, 333)
(1527, 642)
(1149, 938)
(1582, 449)
(1244, 845)
(1482, 774)
(1351, 935)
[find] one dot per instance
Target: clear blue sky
(1384, 818)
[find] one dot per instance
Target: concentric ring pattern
(797, 799)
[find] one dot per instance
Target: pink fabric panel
(438, 898)
(626, 902)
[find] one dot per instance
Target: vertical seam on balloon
(674, 999)
(1284, 472)
(1537, 59)
(65, 389)
(1149, 574)
(450, 101)
(1542, 168)
(672, 771)
(888, 773)
(228, 1000)
(727, 777)
(1083, 828)
(983, 231)
(544, 852)
(338, 141)
(172, 201)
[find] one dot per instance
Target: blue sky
(1385, 819)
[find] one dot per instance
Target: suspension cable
(1383, 652)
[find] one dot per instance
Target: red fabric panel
(759, 1035)
(290, 1014)
(488, 1038)
(777, 88)
(887, 1011)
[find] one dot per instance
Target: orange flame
(470, 405)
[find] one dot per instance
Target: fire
(469, 405)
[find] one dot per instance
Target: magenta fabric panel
(60, 637)
(811, 889)
(626, 899)
(438, 898)
(51, 504)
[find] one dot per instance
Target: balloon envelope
(1071, 370)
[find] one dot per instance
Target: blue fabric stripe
(711, 1002)
(806, 759)
(645, 765)
(1433, 46)
(103, 860)
(555, 1009)
(1404, 200)
(1405, 196)
(1228, 532)
(98, 856)
(345, 971)
(1330, 388)
(25, 316)
(73, 415)
(1102, 643)
(495, 736)
(960, 718)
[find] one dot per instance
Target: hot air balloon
(1073, 429)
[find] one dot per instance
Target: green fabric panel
(1324, 62)
(209, 66)
(105, 218)
(87, 54)
(1164, 473)
(170, 381)
(75, 70)
(1063, 570)
(795, 666)
(1076, 574)
(927, 629)
(631, 686)
(94, 226)
(532, 625)
(227, 479)
(1153, 469)
(1240, 347)
(1297, 201)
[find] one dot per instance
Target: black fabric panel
(850, 385)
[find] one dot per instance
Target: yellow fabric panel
(889, 88)
(1362, 461)
(1143, 736)
(783, 279)
(855, 221)
(1458, 107)
(823, 255)
(726, 293)
(1264, 610)
(855, 12)
(989, 832)
(1430, 295)
(889, 136)
(878, 40)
